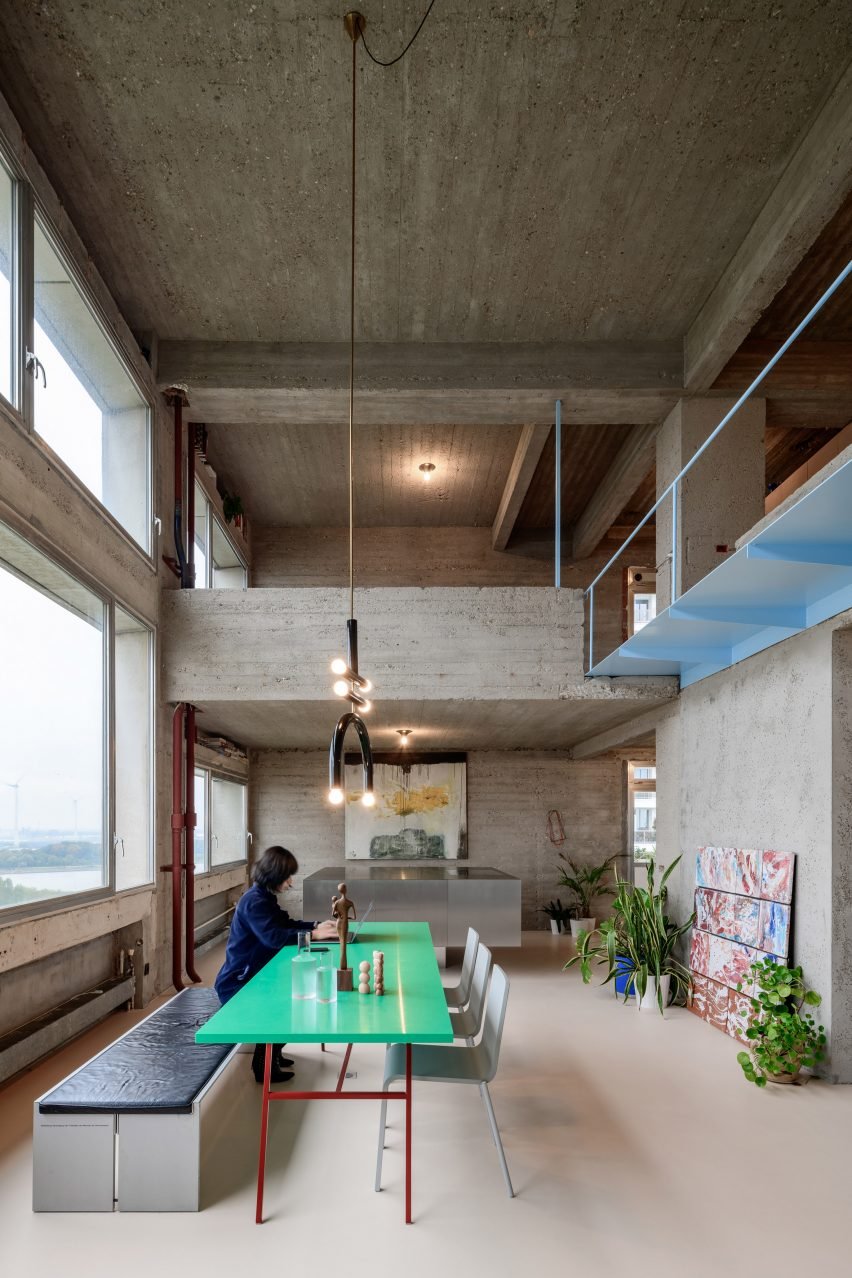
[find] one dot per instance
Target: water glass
(326, 979)
(304, 973)
(303, 942)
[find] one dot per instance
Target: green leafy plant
(641, 933)
(783, 1039)
(232, 505)
(556, 910)
(585, 883)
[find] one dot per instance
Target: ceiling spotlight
(404, 734)
(426, 469)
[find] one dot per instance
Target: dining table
(412, 1009)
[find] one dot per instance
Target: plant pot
(623, 969)
(649, 1002)
(582, 925)
(555, 926)
(784, 1078)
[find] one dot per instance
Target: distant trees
(65, 855)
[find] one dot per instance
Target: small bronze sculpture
(340, 908)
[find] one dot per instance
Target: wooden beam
(632, 463)
(526, 459)
(808, 367)
(808, 194)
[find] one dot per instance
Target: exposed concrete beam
(811, 188)
(418, 383)
(527, 457)
(632, 463)
(624, 733)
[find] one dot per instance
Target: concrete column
(838, 1015)
(721, 497)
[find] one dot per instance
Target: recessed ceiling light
(426, 469)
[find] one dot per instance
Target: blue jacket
(259, 929)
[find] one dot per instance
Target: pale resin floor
(635, 1145)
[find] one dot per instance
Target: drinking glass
(303, 942)
(304, 968)
(326, 979)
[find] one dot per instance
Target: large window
(643, 804)
(221, 835)
(87, 406)
(66, 656)
(218, 566)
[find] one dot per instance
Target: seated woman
(259, 929)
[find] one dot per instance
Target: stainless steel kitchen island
(450, 898)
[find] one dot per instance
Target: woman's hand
(326, 931)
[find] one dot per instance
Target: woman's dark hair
(274, 867)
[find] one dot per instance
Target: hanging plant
(232, 507)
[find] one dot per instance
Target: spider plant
(641, 932)
(585, 883)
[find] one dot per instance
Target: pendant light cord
(399, 56)
(352, 355)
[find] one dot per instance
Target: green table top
(413, 1008)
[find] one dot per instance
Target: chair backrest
(470, 952)
(495, 1015)
(479, 988)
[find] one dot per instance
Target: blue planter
(623, 968)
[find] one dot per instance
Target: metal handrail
(673, 486)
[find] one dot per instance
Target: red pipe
(177, 839)
(189, 827)
(190, 506)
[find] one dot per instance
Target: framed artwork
(743, 913)
(420, 813)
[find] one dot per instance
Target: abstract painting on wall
(420, 813)
(743, 913)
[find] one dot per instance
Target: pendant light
(351, 684)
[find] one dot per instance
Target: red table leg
(408, 1098)
(264, 1123)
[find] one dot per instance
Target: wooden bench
(125, 1130)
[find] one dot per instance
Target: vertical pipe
(673, 591)
(557, 501)
(177, 840)
(591, 627)
(189, 844)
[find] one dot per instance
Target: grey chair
(467, 1023)
(440, 1064)
(459, 995)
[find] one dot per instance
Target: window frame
(27, 206)
(211, 516)
(222, 775)
(78, 900)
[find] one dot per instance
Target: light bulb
(427, 476)
(366, 686)
(368, 799)
(341, 687)
(335, 794)
(405, 740)
(367, 705)
(338, 666)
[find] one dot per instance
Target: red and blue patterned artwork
(743, 912)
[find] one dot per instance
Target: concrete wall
(509, 796)
(760, 756)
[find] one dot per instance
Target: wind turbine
(15, 785)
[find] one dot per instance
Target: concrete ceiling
(437, 725)
(545, 170)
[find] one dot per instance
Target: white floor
(636, 1148)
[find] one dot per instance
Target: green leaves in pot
(783, 1039)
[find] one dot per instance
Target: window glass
(644, 610)
(6, 243)
(133, 862)
(89, 412)
(201, 582)
(51, 747)
(200, 844)
(228, 569)
(227, 821)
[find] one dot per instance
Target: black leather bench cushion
(156, 1068)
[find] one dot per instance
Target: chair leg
(495, 1134)
(381, 1149)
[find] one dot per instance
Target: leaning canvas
(420, 813)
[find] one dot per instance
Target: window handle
(158, 524)
(35, 367)
(116, 839)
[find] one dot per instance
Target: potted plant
(557, 914)
(585, 883)
(640, 942)
(783, 1041)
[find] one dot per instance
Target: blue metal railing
(674, 486)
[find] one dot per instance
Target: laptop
(352, 936)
